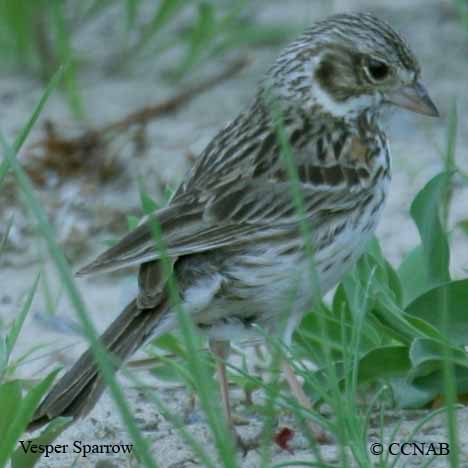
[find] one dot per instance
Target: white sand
(82, 213)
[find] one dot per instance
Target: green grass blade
(10, 398)
(166, 10)
(450, 164)
(62, 38)
(19, 141)
(131, 12)
(201, 376)
(19, 320)
(68, 281)
(175, 420)
(7, 233)
(23, 415)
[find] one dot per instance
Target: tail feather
(77, 392)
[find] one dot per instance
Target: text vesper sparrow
(232, 229)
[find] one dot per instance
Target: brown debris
(174, 103)
(67, 157)
(283, 438)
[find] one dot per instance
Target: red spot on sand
(283, 437)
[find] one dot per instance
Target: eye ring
(377, 70)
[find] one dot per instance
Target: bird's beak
(414, 98)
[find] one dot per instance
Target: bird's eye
(377, 70)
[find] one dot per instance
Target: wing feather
(235, 202)
(236, 215)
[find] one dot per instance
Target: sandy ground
(85, 213)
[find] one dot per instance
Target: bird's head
(349, 64)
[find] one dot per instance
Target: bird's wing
(239, 192)
(232, 214)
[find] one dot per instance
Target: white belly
(264, 286)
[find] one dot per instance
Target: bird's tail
(76, 393)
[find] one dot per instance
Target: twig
(174, 103)
(95, 138)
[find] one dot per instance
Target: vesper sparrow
(232, 230)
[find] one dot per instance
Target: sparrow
(232, 231)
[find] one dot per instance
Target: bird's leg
(221, 351)
(295, 386)
(298, 392)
